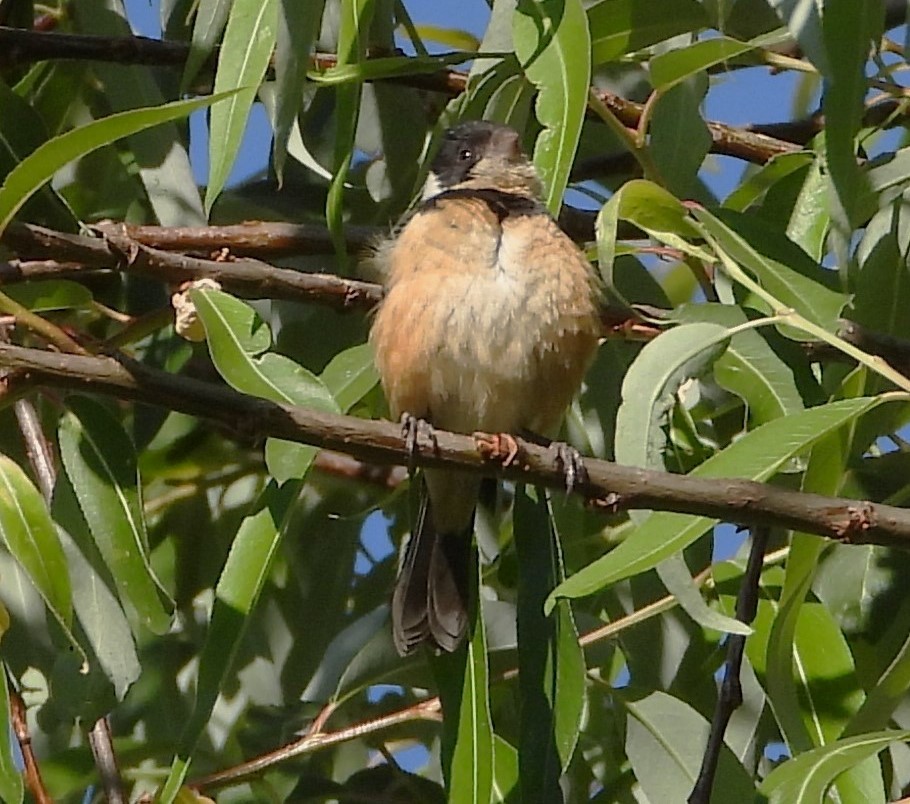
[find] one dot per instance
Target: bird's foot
(572, 464)
(416, 433)
(500, 447)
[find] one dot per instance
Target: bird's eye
(465, 154)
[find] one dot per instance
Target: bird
(489, 321)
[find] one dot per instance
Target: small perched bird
(489, 322)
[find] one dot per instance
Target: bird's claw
(500, 447)
(571, 463)
(416, 432)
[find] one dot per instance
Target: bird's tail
(430, 602)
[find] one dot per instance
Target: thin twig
(19, 717)
(102, 744)
(430, 709)
(731, 691)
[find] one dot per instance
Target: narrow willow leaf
(353, 35)
(22, 130)
(298, 25)
(11, 787)
(505, 771)
(463, 678)
(675, 575)
(249, 40)
(211, 16)
(803, 20)
(754, 186)
(107, 630)
(848, 29)
(799, 666)
(236, 593)
(807, 777)
(100, 461)
(552, 666)
(887, 692)
(552, 43)
(349, 662)
(30, 535)
(758, 455)
(39, 167)
(680, 139)
(651, 208)
(50, 294)
(237, 338)
(650, 386)
(620, 27)
(665, 733)
(749, 367)
(782, 268)
(668, 69)
(350, 376)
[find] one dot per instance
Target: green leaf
(650, 386)
(30, 535)
(239, 586)
(249, 40)
(803, 20)
(749, 367)
(850, 29)
(41, 165)
(211, 16)
(755, 185)
(819, 656)
(350, 376)
(620, 27)
(675, 575)
(552, 43)
(50, 294)
(505, 771)
(107, 630)
(781, 267)
(298, 25)
(887, 692)
(100, 461)
(810, 220)
(552, 677)
(665, 742)
(237, 338)
(807, 777)
(651, 208)
(353, 36)
(758, 455)
(11, 787)
(353, 659)
(680, 138)
(668, 69)
(464, 678)
(22, 131)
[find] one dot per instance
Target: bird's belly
(482, 356)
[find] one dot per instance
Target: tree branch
(23, 47)
(247, 278)
(609, 485)
(731, 691)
